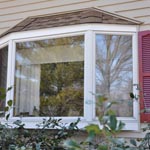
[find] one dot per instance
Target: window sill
(131, 124)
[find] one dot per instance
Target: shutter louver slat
(146, 54)
(144, 61)
(146, 94)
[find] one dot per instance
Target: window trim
(89, 30)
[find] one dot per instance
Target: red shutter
(144, 62)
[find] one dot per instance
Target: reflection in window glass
(114, 78)
(3, 73)
(50, 77)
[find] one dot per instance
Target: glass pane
(3, 73)
(50, 77)
(114, 71)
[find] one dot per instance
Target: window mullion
(135, 75)
(9, 76)
(88, 84)
(10, 72)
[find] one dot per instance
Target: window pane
(50, 77)
(114, 78)
(3, 73)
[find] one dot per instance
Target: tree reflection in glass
(114, 71)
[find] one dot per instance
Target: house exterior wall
(14, 11)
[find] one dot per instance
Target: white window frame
(89, 31)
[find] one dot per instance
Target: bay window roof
(90, 15)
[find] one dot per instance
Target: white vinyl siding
(14, 11)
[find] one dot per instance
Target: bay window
(55, 71)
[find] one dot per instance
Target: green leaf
(2, 97)
(94, 128)
(102, 147)
(27, 133)
(113, 122)
(117, 148)
(110, 112)
(7, 116)
(101, 99)
(133, 142)
(72, 145)
(12, 146)
(2, 93)
(2, 90)
(9, 88)
(104, 119)
(6, 108)
(2, 126)
(17, 122)
(10, 103)
(109, 104)
(90, 136)
(119, 141)
(120, 126)
(132, 95)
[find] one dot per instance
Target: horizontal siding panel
(11, 19)
(39, 6)
(145, 19)
(15, 3)
(4, 1)
(2, 30)
(135, 13)
(112, 2)
(19, 16)
(54, 3)
(145, 27)
(9, 23)
(127, 6)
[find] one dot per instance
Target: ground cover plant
(53, 134)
